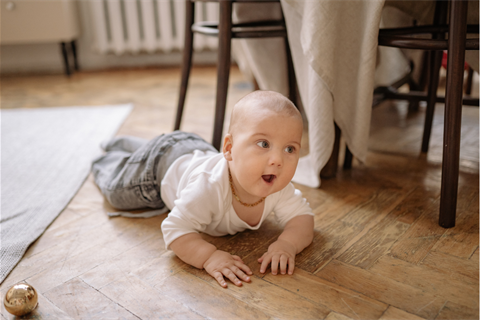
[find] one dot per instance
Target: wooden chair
(225, 30)
(456, 45)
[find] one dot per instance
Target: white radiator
(134, 26)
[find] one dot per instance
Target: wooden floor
(378, 251)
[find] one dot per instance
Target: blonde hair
(269, 100)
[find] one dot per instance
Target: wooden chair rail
(266, 1)
(424, 44)
(264, 29)
(426, 29)
(402, 37)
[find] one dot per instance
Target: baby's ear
(227, 147)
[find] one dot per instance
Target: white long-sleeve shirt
(196, 189)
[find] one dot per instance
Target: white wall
(47, 57)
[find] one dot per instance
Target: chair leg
(223, 69)
(413, 105)
(423, 81)
(453, 113)
(187, 60)
(73, 45)
(435, 63)
(66, 62)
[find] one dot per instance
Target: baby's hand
(222, 264)
(281, 253)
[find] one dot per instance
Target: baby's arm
(297, 235)
(192, 249)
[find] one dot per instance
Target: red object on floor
(445, 58)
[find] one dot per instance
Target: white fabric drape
(333, 46)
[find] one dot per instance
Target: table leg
(330, 169)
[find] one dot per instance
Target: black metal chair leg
(187, 61)
(223, 69)
(65, 58)
(453, 113)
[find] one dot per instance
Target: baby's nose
(276, 159)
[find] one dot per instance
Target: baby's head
(258, 102)
(263, 143)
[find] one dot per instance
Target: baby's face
(264, 153)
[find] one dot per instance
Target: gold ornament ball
(21, 299)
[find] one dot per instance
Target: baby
(218, 193)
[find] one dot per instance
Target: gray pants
(130, 173)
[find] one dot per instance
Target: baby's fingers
(243, 267)
(219, 277)
(231, 275)
(287, 264)
(266, 259)
(283, 264)
(291, 265)
(275, 261)
(242, 272)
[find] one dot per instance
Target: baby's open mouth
(268, 177)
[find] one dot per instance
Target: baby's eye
(290, 149)
(263, 144)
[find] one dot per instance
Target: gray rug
(45, 157)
